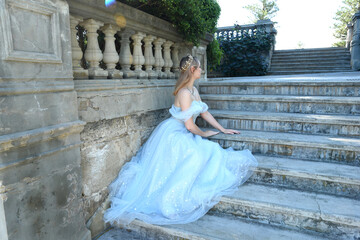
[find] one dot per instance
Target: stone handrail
(233, 32)
(236, 31)
(353, 41)
(150, 48)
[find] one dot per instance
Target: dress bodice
(193, 111)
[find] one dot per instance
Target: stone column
(126, 59)
(159, 61)
(167, 58)
(175, 59)
(138, 57)
(349, 35)
(355, 43)
(77, 54)
(149, 57)
(111, 57)
(93, 53)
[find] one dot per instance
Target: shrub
(246, 54)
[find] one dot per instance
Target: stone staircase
(305, 132)
(315, 60)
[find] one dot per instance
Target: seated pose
(178, 175)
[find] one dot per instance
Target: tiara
(187, 64)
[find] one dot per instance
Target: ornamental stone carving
(77, 54)
(167, 59)
(93, 53)
(111, 57)
(149, 56)
(126, 58)
(138, 57)
(159, 61)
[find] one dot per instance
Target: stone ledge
(113, 99)
(17, 140)
(301, 140)
(27, 86)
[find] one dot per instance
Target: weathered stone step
(328, 60)
(296, 146)
(313, 53)
(336, 217)
(310, 58)
(211, 227)
(330, 49)
(289, 104)
(320, 177)
(292, 72)
(342, 125)
(284, 85)
(310, 67)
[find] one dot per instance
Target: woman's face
(197, 72)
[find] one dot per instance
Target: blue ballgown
(176, 176)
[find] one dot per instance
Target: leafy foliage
(214, 54)
(246, 54)
(343, 17)
(192, 18)
(267, 9)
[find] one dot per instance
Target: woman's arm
(185, 103)
(212, 121)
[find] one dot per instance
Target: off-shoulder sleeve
(194, 109)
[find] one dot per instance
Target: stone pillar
(349, 35)
(77, 54)
(149, 57)
(93, 53)
(355, 43)
(175, 59)
(167, 59)
(126, 59)
(138, 57)
(40, 163)
(111, 57)
(159, 61)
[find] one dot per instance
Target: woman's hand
(231, 131)
(210, 133)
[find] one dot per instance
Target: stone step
(314, 59)
(297, 72)
(289, 104)
(335, 149)
(309, 67)
(335, 217)
(321, 177)
(311, 52)
(330, 49)
(211, 227)
(342, 125)
(284, 85)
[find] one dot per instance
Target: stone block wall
(40, 174)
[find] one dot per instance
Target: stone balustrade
(148, 48)
(354, 36)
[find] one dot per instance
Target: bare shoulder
(184, 98)
(197, 95)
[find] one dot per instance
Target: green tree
(266, 9)
(343, 17)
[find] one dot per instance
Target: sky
(298, 21)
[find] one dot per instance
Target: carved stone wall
(40, 174)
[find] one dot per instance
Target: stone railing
(353, 41)
(147, 47)
(232, 32)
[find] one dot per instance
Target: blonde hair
(185, 73)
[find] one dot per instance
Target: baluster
(125, 56)
(175, 59)
(93, 53)
(149, 56)
(159, 61)
(167, 58)
(138, 57)
(77, 54)
(111, 57)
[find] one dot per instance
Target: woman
(177, 176)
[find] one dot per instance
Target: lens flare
(109, 2)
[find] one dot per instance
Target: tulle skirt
(176, 177)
